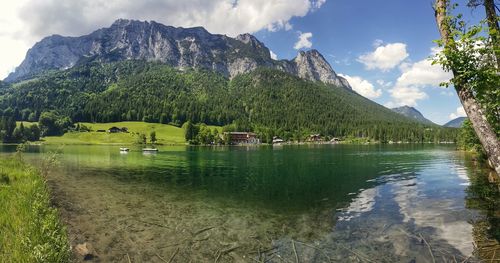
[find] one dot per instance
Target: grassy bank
(165, 134)
(30, 229)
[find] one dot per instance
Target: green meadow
(165, 134)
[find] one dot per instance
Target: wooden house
(241, 138)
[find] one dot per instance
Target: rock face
(412, 113)
(178, 47)
(311, 65)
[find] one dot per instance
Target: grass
(165, 134)
(30, 228)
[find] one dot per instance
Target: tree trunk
(491, 17)
(482, 128)
(473, 109)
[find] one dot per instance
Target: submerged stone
(86, 251)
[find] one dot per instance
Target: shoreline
(41, 143)
(32, 228)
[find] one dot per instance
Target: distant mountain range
(412, 113)
(455, 123)
(178, 47)
(146, 71)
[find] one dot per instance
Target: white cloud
(378, 43)
(435, 50)
(405, 96)
(12, 46)
(415, 77)
(318, 3)
(278, 25)
(423, 73)
(218, 16)
(384, 83)
(384, 57)
(304, 41)
(273, 55)
(460, 112)
(405, 66)
(363, 87)
(23, 22)
(12, 52)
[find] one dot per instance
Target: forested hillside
(267, 101)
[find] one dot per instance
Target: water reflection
(289, 179)
(322, 203)
(483, 195)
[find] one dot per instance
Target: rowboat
(123, 149)
(149, 150)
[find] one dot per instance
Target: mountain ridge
(412, 113)
(455, 123)
(267, 101)
(175, 46)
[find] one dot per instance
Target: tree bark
(472, 108)
(482, 128)
(491, 17)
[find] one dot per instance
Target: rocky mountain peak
(313, 66)
(310, 53)
(248, 39)
(176, 46)
(121, 22)
(412, 113)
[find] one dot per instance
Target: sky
(382, 47)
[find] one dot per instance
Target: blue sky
(345, 30)
(380, 46)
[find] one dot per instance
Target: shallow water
(319, 203)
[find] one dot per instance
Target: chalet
(117, 130)
(114, 130)
(241, 137)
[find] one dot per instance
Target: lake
(309, 203)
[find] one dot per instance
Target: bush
(468, 140)
(52, 124)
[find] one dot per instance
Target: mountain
(146, 71)
(455, 123)
(412, 113)
(267, 101)
(3, 87)
(178, 47)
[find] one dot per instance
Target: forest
(10, 132)
(268, 102)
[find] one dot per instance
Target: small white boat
(149, 150)
(123, 149)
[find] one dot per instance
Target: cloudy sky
(380, 46)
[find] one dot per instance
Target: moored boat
(149, 150)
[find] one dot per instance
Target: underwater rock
(86, 251)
